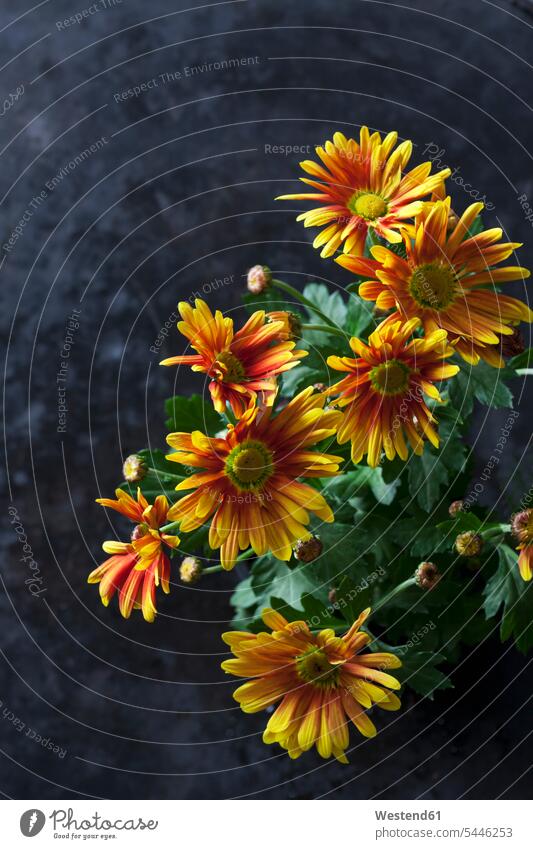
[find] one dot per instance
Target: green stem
(336, 330)
(405, 585)
(172, 526)
(218, 567)
(285, 287)
(501, 530)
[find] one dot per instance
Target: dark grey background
(181, 192)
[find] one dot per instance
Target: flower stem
(285, 287)
(405, 585)
(329, 329)
(492, 533)
(218, 567)
(172, 526)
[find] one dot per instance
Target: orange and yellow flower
(522, 526)
(384, 390)
(322, 682)
(444, 280)
(360, 187)
(136, 568)
(243, 366)
(250, 490)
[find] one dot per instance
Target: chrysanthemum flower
(249, 490)
(444, 281)
(136, 568)
(522, 526)
(361, 187)
(385, 387)
(242, 366)
(322, 681)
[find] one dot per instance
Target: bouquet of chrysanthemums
(329, 458)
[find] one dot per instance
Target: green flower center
(232, 368)
(368, 205)
(249, 465)
(433, 286)
(390, 378)
(313, 667)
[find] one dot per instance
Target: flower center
(368, 205)
(433, 286)
(390, 378)
(249, 465)
(232, 369)
(315, 668)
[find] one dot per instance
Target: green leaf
(434, 469)
(523, 360)
(476, 227)
(507, 588)
(330, 304)
(358, 316)
(419, 668)
(419, 671)
(192, 413)
(244, 595)
(481, 382)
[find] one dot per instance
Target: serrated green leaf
(358, 316)
(507, 588)
(192, 413)
(483, 383)
(523, 360)
(329, 304)
(419, 671)
(434, 469)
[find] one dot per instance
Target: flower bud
(307, 550)
(522, 526)
(134, 468)
(258, 279)
(427, 575)
(453, 220)
(139, 531)
(469, 544)
(455, 508)
(190, 570)
(332, 595)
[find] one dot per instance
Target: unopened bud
(258, 279)
(522, 526)
(190, 570)
(512, 345)
(427, 575)
(134, 468)
(453, 220)
(469, 544)
(307, 550)
(455, 508)
(139, 531)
